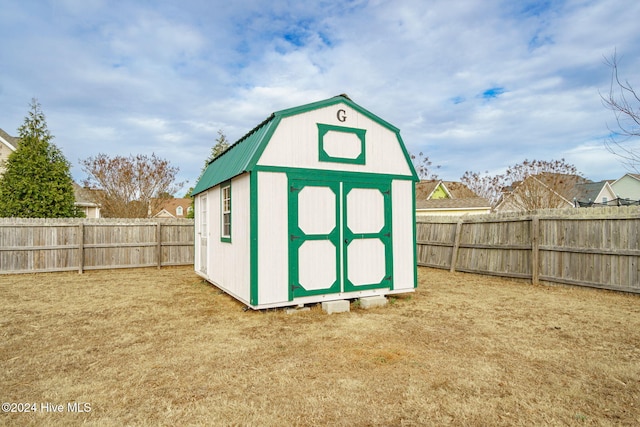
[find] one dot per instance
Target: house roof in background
(461, 197)
(465, 203)
(456, 190)
(170, 206)
(13, 141)
(632, 175)
(590, 190)
(83, 195)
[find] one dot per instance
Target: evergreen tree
(37, 180)
(221, 145)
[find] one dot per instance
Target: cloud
(479, 86)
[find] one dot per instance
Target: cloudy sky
(474, 84)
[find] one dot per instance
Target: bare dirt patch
(162, 347)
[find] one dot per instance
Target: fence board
(589, 247)
(45, 245)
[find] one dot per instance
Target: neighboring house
(435, 197)
(8, 145)
(84, 201)
(171, 208)
(627, 187)
(590, 194)
(554, 191)
(315, 204)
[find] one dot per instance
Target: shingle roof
(588, 191)
(457, 189)
(170, 205)
(10, 139)
(461, 196)
(83, 195)
(465, 203)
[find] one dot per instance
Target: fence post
(535, 250)
(456, 244)
(159, 244)
(80, 248)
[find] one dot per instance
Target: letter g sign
(341, 115)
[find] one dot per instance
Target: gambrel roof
(243, 155)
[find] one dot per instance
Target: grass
(148, 347)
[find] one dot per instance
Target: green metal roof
(243, 155)
(236, 159)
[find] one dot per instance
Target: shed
(316, 203)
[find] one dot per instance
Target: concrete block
(371, 302)
(339, 306)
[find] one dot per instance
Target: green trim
(323, 156)
(253, 238)
(385, 235)
(340, 99)
(223, 237)
(297, 237)
(245, 153)
(415, 238)
(303, 173)
(340, 235)
(264, 141)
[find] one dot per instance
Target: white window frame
(225, 212)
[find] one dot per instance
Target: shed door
(339, 237)
(203, 234)
(367, 236)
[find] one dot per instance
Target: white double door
(339, 236)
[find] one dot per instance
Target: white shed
(316, 203)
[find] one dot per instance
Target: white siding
(403, 261)
(607, 194)
(229, 263)
(627, 187)
(295, 143)
(273, 243)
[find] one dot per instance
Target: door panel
(367, 236)
(314, 237)
(203, 234)
(339, 236)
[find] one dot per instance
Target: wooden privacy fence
(597, 247)
(46, 245)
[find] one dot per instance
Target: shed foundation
(371, 302)
(339, 306)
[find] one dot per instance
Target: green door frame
(340, 184)
(384, 235)
(297, 237)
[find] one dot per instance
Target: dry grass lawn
(149, 347)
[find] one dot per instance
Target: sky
(475, 85)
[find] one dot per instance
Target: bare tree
(484, 185)
(530, 185)
(624, 101)
(128, 187)
(423, 166)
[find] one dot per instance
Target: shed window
(179, 211)
(225, 204)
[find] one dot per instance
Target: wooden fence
(597, 247)
(46, 245)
